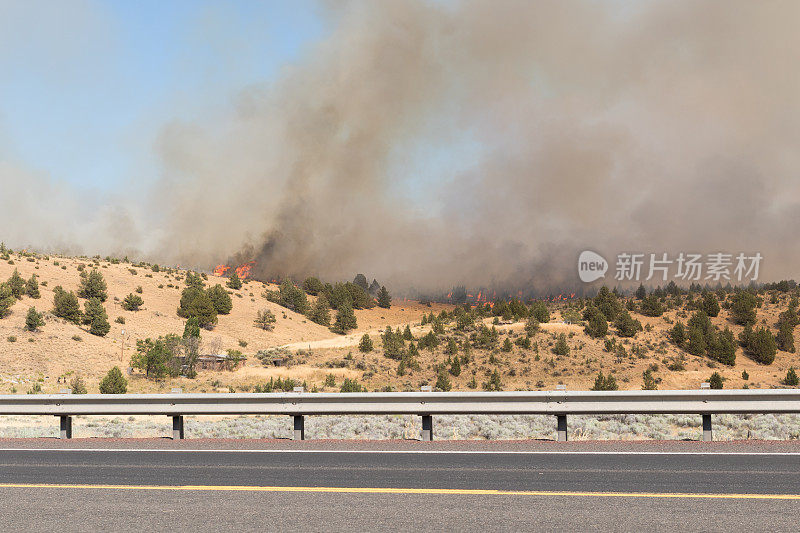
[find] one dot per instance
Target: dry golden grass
(52, 353)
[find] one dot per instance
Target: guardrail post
(177, 427)
(561, 428)
(299, 427)
(427, 428)
(66, 427)
(708, 435)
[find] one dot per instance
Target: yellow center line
(390, 490)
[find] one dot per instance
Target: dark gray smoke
(657, 126)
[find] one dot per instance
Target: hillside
(61, 350)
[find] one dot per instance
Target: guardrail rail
(298, 404)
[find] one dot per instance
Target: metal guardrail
(559, 403)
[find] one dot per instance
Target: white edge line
(419, 452)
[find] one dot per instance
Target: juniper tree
(791, 378)
(132, 302)
(95, 315)
(760, 345)
(785, 337)
(32, 288)
(234, 282)
(65, 305)
(365, 344)
(114, 382)
(596, 325)
(626, 325)
(651, 306)
(33, 320)
(606, 383)
(384, 299)
(743, 307)
(561, 347)
(6, 300)
(93, 286)
(715, 381)
(17, 285)
(313, 286)
(220, 299)
(710, 304)
(345, 320)
(320, 311)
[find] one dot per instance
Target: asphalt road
(309, 490)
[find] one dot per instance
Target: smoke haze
(483, 143)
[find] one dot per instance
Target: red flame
(243, 271)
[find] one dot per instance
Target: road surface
(347, 489)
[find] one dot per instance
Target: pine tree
(761, 346)
(191, 329)
(507, 347)
(384, 299)
(114, 382)
(651, 306)
(605, 383)
(33, 320)
(361, 281)
(791, 378)
(93, 286)
(715, 381)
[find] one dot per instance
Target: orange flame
(220, 270)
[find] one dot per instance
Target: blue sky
(85, 85)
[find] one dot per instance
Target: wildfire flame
(243, 271)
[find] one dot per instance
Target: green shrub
(132, 302)
(265, 320)
(77, 385)
(715, 381)
(220, 299)
(760, 345)
(17, 285)
(561, 347)
(157, 358)
(33, 320)
(365, 344)
(443, 382)
(93, 286)
(648, 381)
(494, 383)
(602, 382)
(791, 378)
(345, 320)
(320, 313)
(384, 298)
(6, 300)
(352, 385)
(313, 286)
(32, 288)
(66, 306)
(95, 315)
(234, 282)
(114, 382)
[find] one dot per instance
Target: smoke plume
(483, 143)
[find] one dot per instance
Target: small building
(219, 362)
